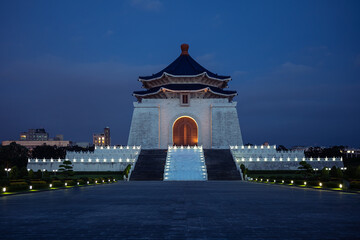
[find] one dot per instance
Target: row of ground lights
(50, 185)
(292, 182)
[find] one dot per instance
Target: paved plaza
(181, 210)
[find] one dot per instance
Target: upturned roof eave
(198, 90)
(227, 79)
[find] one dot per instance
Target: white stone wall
(153, 119)
(225, 125)
(144, 130)
(267, 158)
(102, 159)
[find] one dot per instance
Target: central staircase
(149, 166)
(220, 165)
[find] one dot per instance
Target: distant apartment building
(102, 139)
(38, 134)
(38, 137)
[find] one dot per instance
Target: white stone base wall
(153, 119)
(103, 159)
(80, 167)
(267, 158)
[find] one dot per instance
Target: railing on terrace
(242, 159)
(74, 160)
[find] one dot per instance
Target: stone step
(149, 166)
(220, 165)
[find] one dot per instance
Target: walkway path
(181, 210)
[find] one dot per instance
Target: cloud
(217, 20)
(291, 68)
(147, 5)
(357, 60)
(206, 57)
(239, 73)
(109, 32)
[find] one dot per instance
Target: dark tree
(13, 155)
(46, 151)
(66, 168)
(281, 148)
(306, 169)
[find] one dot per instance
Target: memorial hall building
(185, 104)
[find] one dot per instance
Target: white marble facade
(216, 118)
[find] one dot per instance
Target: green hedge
(355, 184)
(331, 184)
(57, 183)
(18, 186)
(39, 184)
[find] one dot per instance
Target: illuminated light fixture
(102, 180)
(87, 182)
(261, 180)
(95, 181)
(274, 146)
(97, 160)
(292, 181)
(305, 183)
(36, 160)
(267, 180)
(273, 159)
(340, 185)
(296, 159)
(282, 181)
(78, 183)
(50, 185)
(280, 159)
(258, 159)
(255, 147)
(288, 159)
(262, 147)
(274, 181)
(311, 159)
(65, 184)
(30, 187)
(4, 189)
(320, 184)
(318, 159)
(265, 159)
(104, 159)
(334, 159)
(242, 147)
(249, 147)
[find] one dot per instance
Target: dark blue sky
(71, 66)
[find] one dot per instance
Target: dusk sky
(71, 66)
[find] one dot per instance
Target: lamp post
(7, 171)
(54, 171)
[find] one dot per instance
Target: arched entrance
(185, 132)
